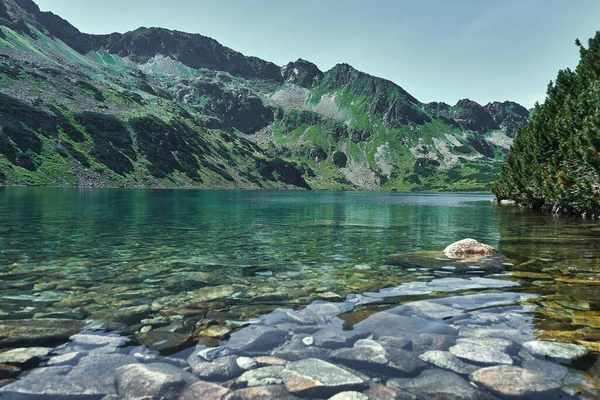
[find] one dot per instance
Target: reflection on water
(185, 267)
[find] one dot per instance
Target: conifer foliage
(554, 162)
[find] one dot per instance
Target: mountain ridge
(307, 119)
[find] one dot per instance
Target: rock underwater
(468, 248)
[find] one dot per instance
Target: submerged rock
(511, 381)
(261, 377)
(37, 332)
(206, 391)
(559, 352)
(221, 369)
(480, 353)
(155, 381)
(349, 396)
(439, 384)
(468, 248)
(446, 360)
(265, 392)
(23, 355)
(318, 378)
(256, 338)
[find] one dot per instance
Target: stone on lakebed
(468, 248)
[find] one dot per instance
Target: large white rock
(468, 248)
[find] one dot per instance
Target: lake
(178, 270)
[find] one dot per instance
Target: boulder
(468, 248)
(152, 381)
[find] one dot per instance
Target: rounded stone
(511, 381)
(468, 248)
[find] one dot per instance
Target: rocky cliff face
(155, 107)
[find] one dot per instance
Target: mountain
(162, 108)
(554, 162)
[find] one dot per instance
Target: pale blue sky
(438, 50)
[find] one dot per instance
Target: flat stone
(349, 396)
(256, 338)
(213, 293)
(426, 309)
(126, 315)
(366, 354)
(446, 360)
(156, 381)
(388, 324)
(468, 248)
(166, 343)
(439, 384)
(50, 383)
(329, 296)
(65, 359)
(485, 300)
(267, 297)
(261, 377)
(221, 369)
(100, 340)
(495, 343)
(265, 393)
(96, 372)
(335, 338)
(480, 354)
(206, 391)
(30, 300)
(512, 381)
(24, 355)
(318, 378)
(19, 333)
(560, 352)
(216, 331)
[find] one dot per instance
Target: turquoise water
(41, 225)
(171, 267)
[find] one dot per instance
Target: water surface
(166, 265)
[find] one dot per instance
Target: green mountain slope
(155, 107)
(554, 162)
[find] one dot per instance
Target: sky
(437, 50)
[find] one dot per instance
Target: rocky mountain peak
(473, 116)
(302, 73)
(508, 115)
